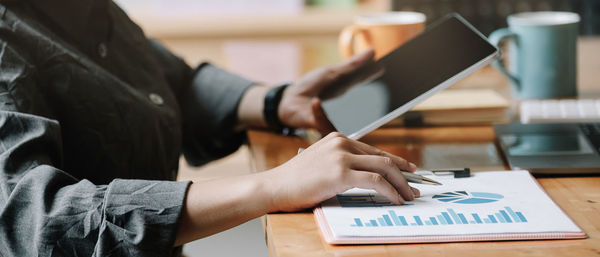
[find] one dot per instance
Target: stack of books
(457, 107)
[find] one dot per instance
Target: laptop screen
(546, 144)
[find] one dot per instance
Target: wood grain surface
(296, 234)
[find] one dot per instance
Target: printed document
(488, 204)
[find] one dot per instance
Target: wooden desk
(296, 234)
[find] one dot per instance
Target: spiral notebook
(488, 206)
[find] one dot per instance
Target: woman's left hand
(300, 105)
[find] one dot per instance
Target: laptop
(561, 148)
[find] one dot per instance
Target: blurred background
(488, 15)
(275, 41)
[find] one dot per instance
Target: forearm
(328, 167)
(217, 205)
(250, 108)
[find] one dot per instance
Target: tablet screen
(445, 53)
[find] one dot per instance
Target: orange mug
(383, 32)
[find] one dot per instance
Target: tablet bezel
(447, 83)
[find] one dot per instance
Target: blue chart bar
(387, 220)
(462, 218)
(454, 216)
(418, 220)
(442, 219)
(500, 218)
(514, 215)
(523, 219)
(448, 220)
(476, 217)
(403, 220)
(448, 217)
(395, 218)
(505, 216)
(433, 221)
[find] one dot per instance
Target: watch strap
(271, 107)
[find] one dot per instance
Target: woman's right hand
(330, 166)
(333, 165)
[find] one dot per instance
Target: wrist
(250, 109)
(267, 188)
(237, 200)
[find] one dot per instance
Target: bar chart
(448, 217)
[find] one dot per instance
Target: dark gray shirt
(93, 119)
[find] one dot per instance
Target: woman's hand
(333, 165)
(300, 106)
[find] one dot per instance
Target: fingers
(375, 181)
(322, 123)
(367, 72)
(387, 168)
(358, 147)
(400, 162)
(357, 156)
(416, 192)
(356, 61)
(346, 74)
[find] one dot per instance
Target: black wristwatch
(272, 100)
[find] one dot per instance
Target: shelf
(310, 21)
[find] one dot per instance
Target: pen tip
(432, 181)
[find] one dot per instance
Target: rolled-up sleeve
(46, 212)
(209, 109)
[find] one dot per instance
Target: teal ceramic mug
(542, 54)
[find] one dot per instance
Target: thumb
(356, 61)
(321, 122)
(350, 73)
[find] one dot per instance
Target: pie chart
(465, 197)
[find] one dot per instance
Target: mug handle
(347, 37)
(495, 38)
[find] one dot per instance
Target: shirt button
(102, 50)
(156, 99)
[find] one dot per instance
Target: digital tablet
(443, 54)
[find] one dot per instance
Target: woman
(93, 119)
